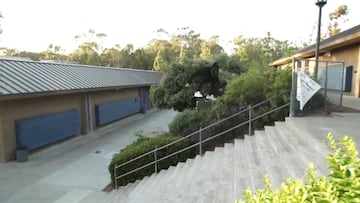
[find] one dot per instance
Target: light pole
(320, 4)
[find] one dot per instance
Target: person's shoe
(211, 97)
(198, 94)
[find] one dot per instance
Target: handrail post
(115, 178)
(200, 140)
(155, 156)
(250, 119)
(292, 110)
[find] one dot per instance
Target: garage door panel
(112, 111)
(38, 131)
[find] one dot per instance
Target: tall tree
(337, 18)
(111, 57)
(90, 49)
(125, 56)
(86, 55)
(141, 59)
(162, 50)
(159, 62)
(260, 52)
(92, 39)
(23, 54)
(53, 53)
(211, 47)
(189, 40)
(9, 51)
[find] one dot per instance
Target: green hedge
(141, 147)
(190, 121)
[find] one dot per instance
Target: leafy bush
(190, 121)
(258, 85)
(143, 146)
(342, 185)
(248, 88)
(187, 122)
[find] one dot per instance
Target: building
(344, 46)
(44, 102)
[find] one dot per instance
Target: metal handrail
(197, 131)
(198, 143)
(248, 109)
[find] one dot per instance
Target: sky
(32, 25)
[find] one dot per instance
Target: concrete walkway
(347, 101)
(77, 168)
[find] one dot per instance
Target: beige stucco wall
(12, 110)
(351, 56)
(108, 96)
(22, 108)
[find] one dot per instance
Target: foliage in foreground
(142, 146)
(342, 184)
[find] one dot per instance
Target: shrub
(143, 146)
(187, 122)
(190, 121)
(248, 88)
(342, 185)
(258, 85)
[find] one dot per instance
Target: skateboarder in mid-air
(209, 74)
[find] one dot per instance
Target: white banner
(306, 88)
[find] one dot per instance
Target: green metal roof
(26, 77)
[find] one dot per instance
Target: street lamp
(320, 4)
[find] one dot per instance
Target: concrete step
(227, 180)
(179, 189)
(314, 151)
(224, 171)
(289, 157)
(124, 191)
(318, 140)
(222, 175)
(153, 186)
(242, 174)
(200, 183)
(291, 146)
(275, 167)
(171, 179)
(256, 165)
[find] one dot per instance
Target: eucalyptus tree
(337, 18)
(90, 49)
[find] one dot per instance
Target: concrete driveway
(77, 168)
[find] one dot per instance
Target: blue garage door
(112, 111)
(38, 131)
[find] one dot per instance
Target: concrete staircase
(221, 176)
